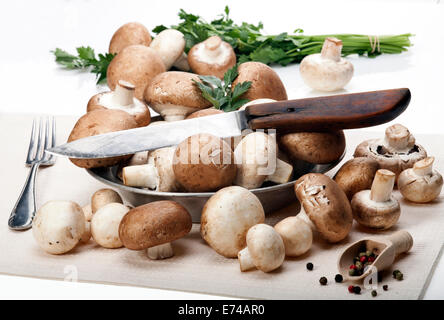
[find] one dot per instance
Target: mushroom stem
(124, 93)
(245, 260)
(382, 185)
(304, 217)
(331, 49)
(213, 43)
(424, 167)
(182, 63)
(282, 173)
(145, 176)
(399, 138)
(162, 251)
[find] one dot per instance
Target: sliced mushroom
(296, 234)
(102, 197)
(265, 82)
(204, 163)
(421, 183)
(396, 152)
(326, 207)
(356, 175)
(135, 64)
(174, 95)
(377, 208)
(212, 57)
(105, 225)
(169, 44)
(154, 226)
(129, 34)
(226, 218)
(122, 98)
(327, 71)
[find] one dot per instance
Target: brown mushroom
(356, 175)
(265, 82)
(132, 33)
(212, 57)
(174, 95)
(135, 64)
(204, 113)
(122, 98)
(154, 226)
(98, 122)
(313, 147)
(203, 163)
(377, 208)
(326, 207)
(396, 152)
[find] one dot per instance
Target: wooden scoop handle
(402, 241)
(345, 111)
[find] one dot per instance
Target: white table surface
(30, 81)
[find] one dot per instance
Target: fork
(24, 210)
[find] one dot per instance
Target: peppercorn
(385, 287)
(399, 276)
(351, 272)
(338, 278)
(357, 290)
(359, 265)
(362, 254)
(395, 272)
(368, 253)
(371, 259)
(355, 259)
(352, 266)
(363, 259)
(350, 289)
(323, 281)
(374, 293)
(310, 266)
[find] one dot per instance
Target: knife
(345, 111)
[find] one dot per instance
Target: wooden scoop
(387, 249)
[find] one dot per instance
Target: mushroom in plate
(105, 225)
(204, 163)
(377, 208)
(98, 122)
(58, 226)
(174, 95)
(102, 197)
(212, 57)
(154, 226)
(265, 249)
(313, 147)
(265, 82)
(396, 152)
(132, 33)
(421, 183)
(169, 44)
(356, 174)
(296, 234)
(122, 98)
(136, 64)
(226, 218)
(325, 206)
(327, 71)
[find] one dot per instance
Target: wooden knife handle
(345, 111)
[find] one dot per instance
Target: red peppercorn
(350, 289)
(363, 259)
(352, 266)
(371, 259)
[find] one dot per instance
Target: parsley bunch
(222, 94)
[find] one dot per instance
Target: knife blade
(345, 111)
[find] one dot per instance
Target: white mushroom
(58, 226)
(102, 197)
(327, 71)
(265, 249)
(169, 44)
(105, 225)
(87, 211)
(296, 234)
(182, 63)
(421, 183)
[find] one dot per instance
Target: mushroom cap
(58, 226)
(102, 197)
(104, 100)
(372, 214)
(169, 44)
(174, 93)
(135, 64)
(313, 147)
(266, 247)
(420, 188)
(154, 224)
(356, 175)
(105, 225)
(204, 113)
(296, 234)
(203, 163)
(99, 122)
(265, 82)
(162, 159)
(226, 218)
(132, 33)
(212, 57)
(326, 205)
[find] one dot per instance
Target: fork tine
(50, 138)
(30, 155)
(45, 156)
(40, 142)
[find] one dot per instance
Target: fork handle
(23, 213)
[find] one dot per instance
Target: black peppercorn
(374, 293)
(395, 272)
(357, 290)
(310, 266)
(338, 278)
(323, 281)
(385, 287)
(399, 276)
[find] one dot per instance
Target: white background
(30, 81)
